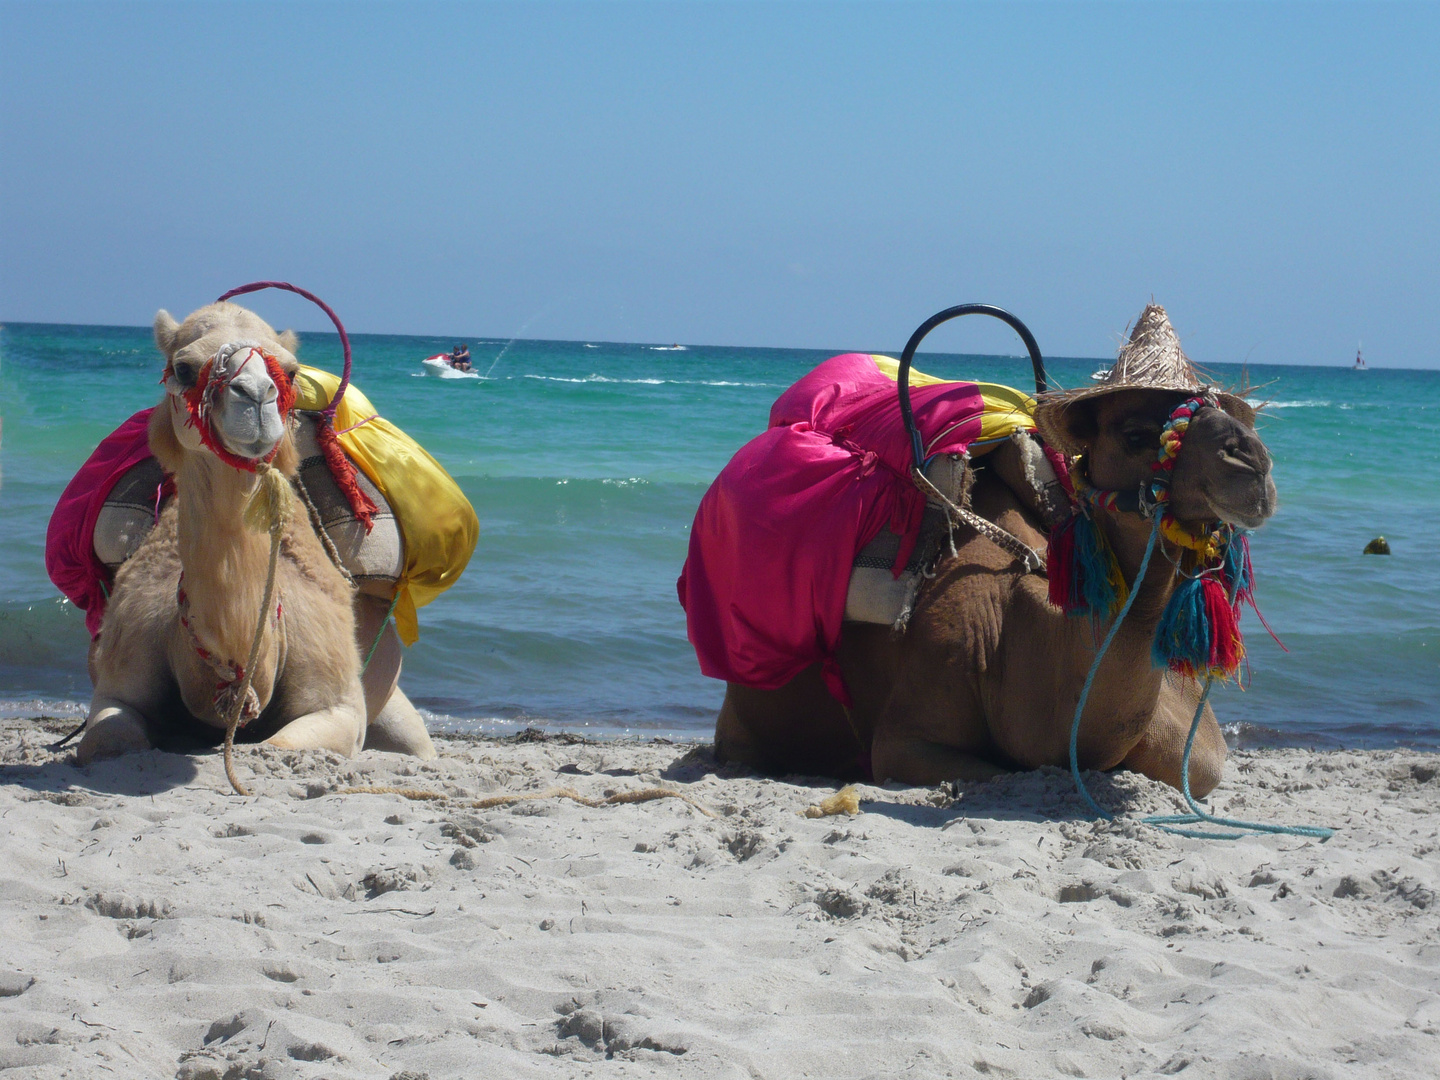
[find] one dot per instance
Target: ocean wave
(591, 379)
(1297, 404)
(33, 708)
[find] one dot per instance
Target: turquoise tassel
(1101, 585)
(1182, 640)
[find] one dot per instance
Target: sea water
(585, 462)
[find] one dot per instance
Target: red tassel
(343, 471)
(1227, 648)
(1061, 465)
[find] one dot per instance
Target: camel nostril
(1249, 455)
(246, 393)
(1235, 462)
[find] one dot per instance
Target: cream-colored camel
(988, 673)
(154, 676)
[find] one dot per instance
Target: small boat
(1100, 374)
(668, 348)
(1359, 361)
(440, 365)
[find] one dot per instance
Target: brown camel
(988, 673)
(184, 609)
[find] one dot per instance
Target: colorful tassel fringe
(1199, 632)
(1085, 576)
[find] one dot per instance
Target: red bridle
(215, 378)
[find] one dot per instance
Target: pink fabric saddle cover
(70, 540)
(776, 535)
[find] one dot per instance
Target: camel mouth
(1248, 509)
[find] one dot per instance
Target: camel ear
(165, 330)
(289, 341)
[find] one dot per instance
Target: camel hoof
(111, 733)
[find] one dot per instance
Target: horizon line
(781, 348)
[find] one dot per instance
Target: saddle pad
(129, 513)
(876, 594)
(375, 559)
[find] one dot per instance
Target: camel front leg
(112, 728)
(376, 639)
(400, 729)
(1161, 748)
(924, 763)
(340, 728)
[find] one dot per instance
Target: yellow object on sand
(437, 522)
(844, 801)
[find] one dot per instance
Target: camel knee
(1207, 766)
(733, 741)
(1161, 750)
(112, 729)
(398, 728)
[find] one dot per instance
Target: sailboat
(1359, 360)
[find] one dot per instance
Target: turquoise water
(585, 462)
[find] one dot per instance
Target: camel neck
(1129, 536)
(1126, 681)
(225, 562)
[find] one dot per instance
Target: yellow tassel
(269, 506)
(1206, 545)
(844, 801)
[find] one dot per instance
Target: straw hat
(1151, 360)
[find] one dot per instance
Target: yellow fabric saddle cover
(436, 521)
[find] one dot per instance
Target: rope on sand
(618, 798)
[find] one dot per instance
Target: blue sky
(750, 174)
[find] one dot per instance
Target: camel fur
(987, 675)
(151, 685)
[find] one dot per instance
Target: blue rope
(1170, 822)
(1095, 667)
(1198, 817)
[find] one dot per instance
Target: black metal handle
(903, 377)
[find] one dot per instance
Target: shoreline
(1240, 735)
(156, 921)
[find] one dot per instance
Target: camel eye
(1141, 438)
(185, 373)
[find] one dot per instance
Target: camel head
(1222, 471)
(228, 384)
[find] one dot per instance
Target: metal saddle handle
(902, 380)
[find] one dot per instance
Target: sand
(155, 925)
